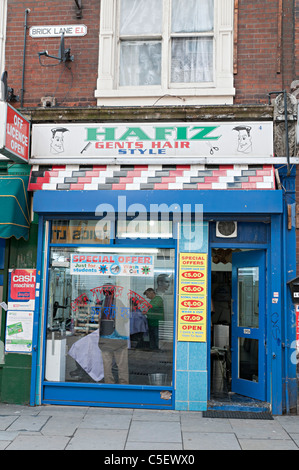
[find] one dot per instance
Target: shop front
(152, 295)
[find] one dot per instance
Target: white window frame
(221, 91)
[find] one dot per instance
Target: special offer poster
(192, 311)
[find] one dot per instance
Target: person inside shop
(114, 327)
(155, 314)
(163, 283)
(138, 325)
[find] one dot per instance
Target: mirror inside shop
(110, 316)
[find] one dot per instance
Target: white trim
(221, 91)
(169, 161)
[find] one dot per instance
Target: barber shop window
(110, 314)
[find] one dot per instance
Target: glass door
(248, 323)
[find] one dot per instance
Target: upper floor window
(167, 50)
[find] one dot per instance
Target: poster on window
(21, 291)
(18, 334)
(112, 264)
(192, 302)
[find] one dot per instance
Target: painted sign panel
(14, 134)
(19, 328)
(152, 141)
(54, 31)
(21, 292)
(192, 303)
(113, 264)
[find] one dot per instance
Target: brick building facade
(254, 60)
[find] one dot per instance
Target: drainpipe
(24, 53)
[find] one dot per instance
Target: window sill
(171, 97)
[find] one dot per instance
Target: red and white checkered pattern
(151, 177)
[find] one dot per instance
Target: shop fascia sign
(56, 31)
(151, 141)
(14, 134)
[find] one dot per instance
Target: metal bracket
(79, 8)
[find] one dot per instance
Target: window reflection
(109, 325)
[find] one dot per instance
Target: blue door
(248, 323)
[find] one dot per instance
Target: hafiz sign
(152, 140)
(14, 134)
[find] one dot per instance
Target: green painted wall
(15, 373)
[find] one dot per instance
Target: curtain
(140, 63)
(191, 60)
(191, 57)
(141, 17)
(192, 16)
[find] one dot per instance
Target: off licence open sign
(14, 134)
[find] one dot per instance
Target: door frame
(234, 245)
(241, 386)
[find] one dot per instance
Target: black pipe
(24, 53)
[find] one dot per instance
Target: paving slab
(3, 445)
(156, 415)
(289, 423)
(153, 446)
(205, 424)
(52, 410)
(58, 426)
(155, 431)
(30, 442)
(8, 409)
(28, 423)
(95, 439)
(8, 435)
(257, 429)
(93, 410)
(267, 444)
(6, 421)
(210, 441)
(106, 421)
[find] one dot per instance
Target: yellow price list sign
(192, 299)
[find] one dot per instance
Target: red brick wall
(72, 86)
(296, 39)
(258, 53)
(257, 61)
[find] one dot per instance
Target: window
(166, 51)
(110, 302)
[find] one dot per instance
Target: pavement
(51, 427)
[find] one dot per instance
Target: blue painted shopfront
(262, 233)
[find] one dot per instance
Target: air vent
(226, 229)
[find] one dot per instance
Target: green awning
(14, 207)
